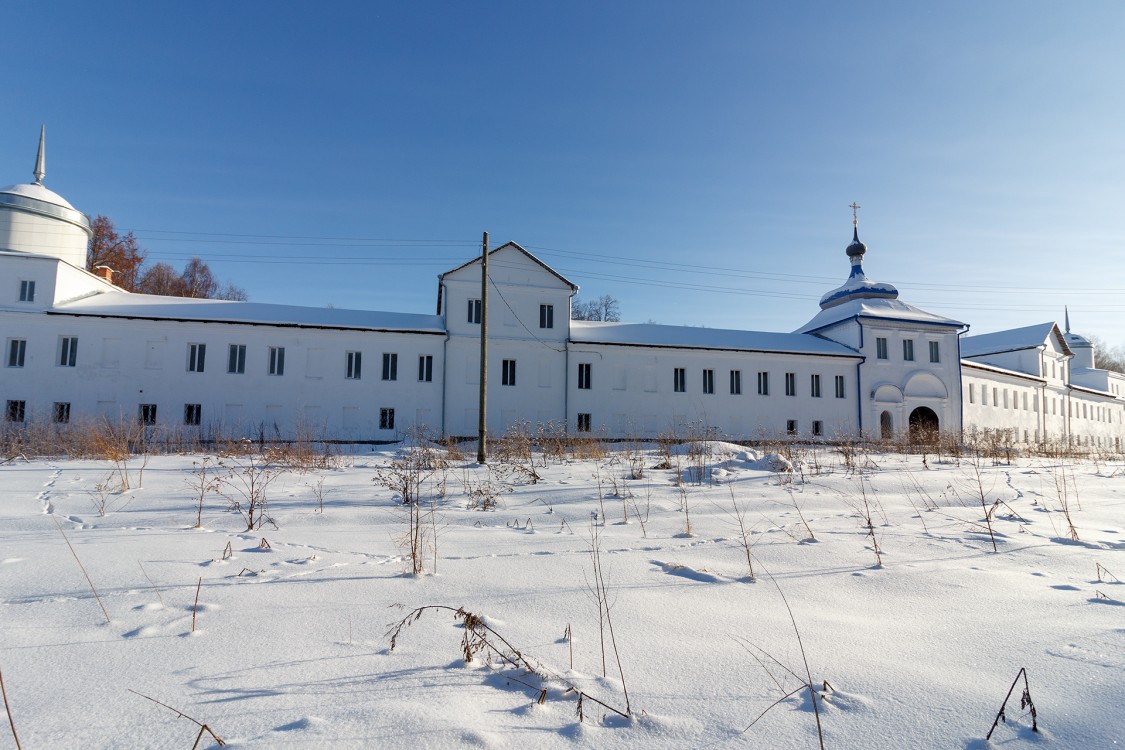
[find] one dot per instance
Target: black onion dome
(857, 247)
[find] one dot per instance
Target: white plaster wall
(632, 392)
(899, 386)
(122, 363)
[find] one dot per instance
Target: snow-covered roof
(1012, 340)
(1002, 370)
(687, 337)
(887, 309)
(155, 307)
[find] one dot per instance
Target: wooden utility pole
(482, 419)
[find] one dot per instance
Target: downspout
(566, 383)
(444, 354)
(961, 383)
(859, 385)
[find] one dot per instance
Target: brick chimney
(104, 272)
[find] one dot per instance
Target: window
(972, 394)
(508, 373)
(61, 412)
(27, 291)
(386, 419)
(817, 428)
(426, 368)
(193, 414)
(68, 351)
(474, 311)
(708, 381)
(736, 382)
(197, 354)
(546, 316)
(763, 384)
(236, 361)
(16, 411)
(881, 348)
(791, 427)
(17, 348)
(814, 386)
(840, 386)
(935, 351)
(355, 359)
(583, 422)
(790, 384)
(147, 414)
(277, 360)
(584, 376)
(908, 350)
(390, 366)
(679, 380)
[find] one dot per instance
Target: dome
(38, 192)
(857, 286)
(36, 199)
(857, 247)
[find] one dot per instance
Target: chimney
(104, 272)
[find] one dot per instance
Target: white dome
(39, 193)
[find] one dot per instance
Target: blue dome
(857, 247)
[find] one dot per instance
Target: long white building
(79, 348)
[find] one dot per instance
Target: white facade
(76, 347)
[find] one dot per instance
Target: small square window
(193, 414)
(236, 360)
(355, 359)
(386, 419)
(27, 291)
(17, 348)
(61, 412)
(16, 411)
(390, 366)
(791, 427)
(583, 422)
(147, 414)
(508, 373)
(546, 316)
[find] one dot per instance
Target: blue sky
(695, 160)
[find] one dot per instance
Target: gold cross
(855, 215)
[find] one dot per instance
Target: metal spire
(1067, 314)
(40, 158)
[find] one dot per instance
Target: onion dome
(858, 286)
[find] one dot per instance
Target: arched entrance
(923, 425)
(886, 426)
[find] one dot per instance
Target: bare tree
(606, 307)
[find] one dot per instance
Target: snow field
(290, 646)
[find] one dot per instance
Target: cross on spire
(855, 213)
